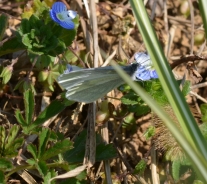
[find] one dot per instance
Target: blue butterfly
(62, 16)
(88, 85)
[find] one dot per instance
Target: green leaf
(140, 167)
(105, 152)
(176, 170)
(11, 46)
(204, 112)
(139, 109)
(11, 136)
(5, 164)
(33, 150)
(186, 88)
(3, 25)
(67, 36)
(31, 161)
(24, 27)
(13, 149)
(57, 148)
(149, 132)
(76, 155)
(42, 168)
(2, 178)
(43, 140)
(20, 118)
(29, 106)
(54, 108)
(26, 41)
(2, 140)
(129, 99)
(6, 74)
(203, 128)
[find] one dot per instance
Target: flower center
(63, 16)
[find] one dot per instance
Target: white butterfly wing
(89, 85)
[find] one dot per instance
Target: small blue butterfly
(62, 16)
(88, 85)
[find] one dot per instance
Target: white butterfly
(88, 85)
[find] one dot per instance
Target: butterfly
(88, 85)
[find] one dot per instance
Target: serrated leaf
(186, 88)
(33, 150)
(149, 132)
(50, 174)
(12, 151)
(2, 140)
(203, 128)
(20, 118)
(176, 170)
(204, 112)
(6, 78)
(43, 140)
(129, 99)
(12, 135)
(31, 161)
(29, 106)
(5, 164)
(140, 167)
(76, 155)
(26, 41)
(19, 84)
(3, 25)
(54, 108)
(11, 46)
(24, 27)
(67, 36)
(59, 147)
(105, 152)
(6, 74)
(139, 109)
(2, 177)
(42, 168)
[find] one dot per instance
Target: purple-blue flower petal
(142, 73)
(153, 74)
(53, 16)
(68, 24)
(59, 7)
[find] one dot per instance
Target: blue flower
(145, 69)
(62, 16)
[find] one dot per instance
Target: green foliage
(6, 74)
(179, 168)
(9, 142)
(186, 88)
(140, 167)
(129, 121)
(27, 124)
(76, 155)
(136, 104)
(3, 25)
(149, 132)
(204, 112)
(43, 153)
(10, 46)
(203, 128)
(37, 37)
